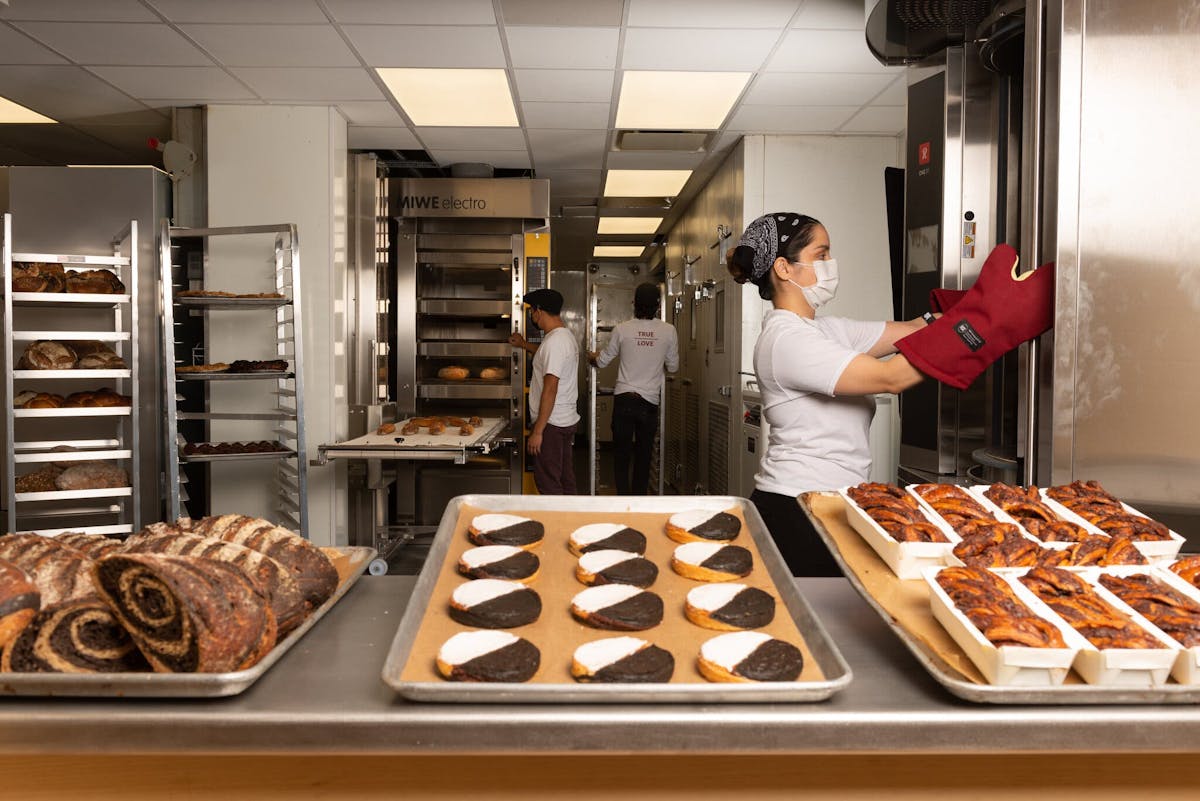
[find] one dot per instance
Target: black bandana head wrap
(764, 240)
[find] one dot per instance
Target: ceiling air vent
(663, 141)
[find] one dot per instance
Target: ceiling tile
(472, 138)
(371, 113)
(582, 86)
(895, 95)
(63, 93)
(711, 13)
(427, 46)
(165, 83)
(568, 149)
(826, 51)
(117, 43)
(877, 119)
(540, 12)
(815, 89)
(649, 160)
(413, 12)
(690, 49)
(566, 48)
(79, 11)
(847, 14)
(273, 45)
(790, 119)
(573, 182)
(17, 48)
(566, 115)
(396, 138)
(274, 12)
(334, 84)
(504, 159)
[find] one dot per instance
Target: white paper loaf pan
(906, 559)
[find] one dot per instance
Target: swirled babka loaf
(59, 572)
(187, 613)
(81, 635)
(92, 545)
(19, 601)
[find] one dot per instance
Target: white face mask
(825, 288)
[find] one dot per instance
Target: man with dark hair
(553, 391)
(645, 345)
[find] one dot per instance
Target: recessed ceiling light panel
(617, 251)
(16, 113)
(677, 100)
(645, 183)
(628, 225)
(469, 98)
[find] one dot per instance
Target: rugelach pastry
(615, 567)
(606, 537)
(729, 607)
(498, 529)
(488, 656)
(81, 635)
(494, 604)
(746, 656)
(499, 562)
(621, 660)
(19, 601)
(702, 526)
(619, 607)
(711, 561)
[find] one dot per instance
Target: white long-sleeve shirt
(646, 348)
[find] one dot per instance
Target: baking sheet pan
(904, 606)
(350, 563)
(419, 681)
(235, 457)
(227, 376)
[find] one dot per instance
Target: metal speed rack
(290, 480)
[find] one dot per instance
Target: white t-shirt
(645, 347)
(558, 355)
(817, 441)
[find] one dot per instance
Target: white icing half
(594, 532)
(730, 650)
(597, 561)
(711, 597)
(694, 553)
(602, 653)
(487, 554)
(690, 519)
(595, 598)
(480, 590)
(484, 523)
(467, 645)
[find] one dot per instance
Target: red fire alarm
(924, 153)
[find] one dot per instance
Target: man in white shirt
(646, 346)
(553, 391)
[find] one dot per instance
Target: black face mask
(532, 325)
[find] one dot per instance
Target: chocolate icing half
(627, 539)
(749, 609)
(721, 526)
(502, 612)
(650, 664)
(516, 661)
(516, 567)
(732, 559)
(774, 660)
(526, 532)
(642, 611)
(638, 572)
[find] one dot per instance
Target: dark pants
(634, 423)
(554, 466)
(799, 543)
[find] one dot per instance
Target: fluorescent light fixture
(678, 100)
(645, 183)
(617, 251)
(15, 112)
(452, 97)
(628, 225)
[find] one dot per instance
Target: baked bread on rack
(47, 354)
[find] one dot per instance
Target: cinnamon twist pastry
(1075, 601)
(1163, 605)
(993, 608)
(1096, 505)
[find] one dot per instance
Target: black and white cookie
(729, 607)
(703, 526)
(615, 567)
(711, 561)
(749, 656)
(606, 537)
(488, 656)
(622, 660)
(499, 562)
(619, 607)
(494, 604)
(500, 529)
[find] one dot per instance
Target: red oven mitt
(942, 300)
(999, 312)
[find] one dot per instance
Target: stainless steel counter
(325, 696)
